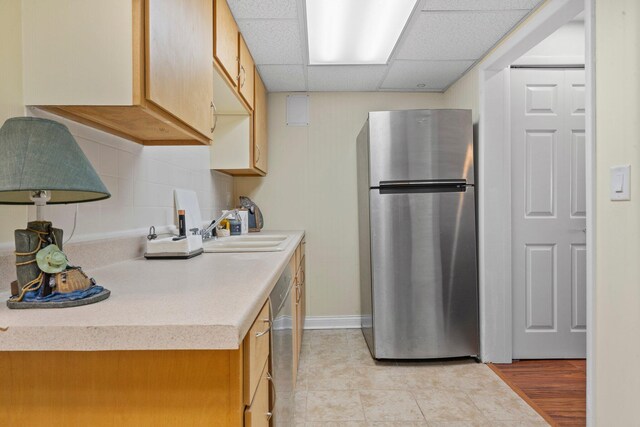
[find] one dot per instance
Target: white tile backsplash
(141, 181)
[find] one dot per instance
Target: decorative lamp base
(60, 304)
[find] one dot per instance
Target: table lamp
(41, 163)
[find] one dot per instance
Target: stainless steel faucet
(207, 233)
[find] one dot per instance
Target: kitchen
(308, 163)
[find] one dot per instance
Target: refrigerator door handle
(424, 183)
(443, 186)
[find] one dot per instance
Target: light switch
(620, 182)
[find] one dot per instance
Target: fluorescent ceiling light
(355, 31)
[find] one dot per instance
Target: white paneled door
(548, 213)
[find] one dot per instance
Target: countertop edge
(134, 337)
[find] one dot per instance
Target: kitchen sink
(247, 243)
(256, 238)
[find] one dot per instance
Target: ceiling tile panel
(435, 75)
(479, 4)
(283, 78)
(456, 35)
(273, 41)
(264, 9)
(345, 77)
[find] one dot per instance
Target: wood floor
(554, 388)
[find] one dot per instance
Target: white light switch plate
(620, 176)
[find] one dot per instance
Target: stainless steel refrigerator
(417, 226)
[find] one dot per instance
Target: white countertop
(206, 303)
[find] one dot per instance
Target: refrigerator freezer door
(420, 145)
(424, 276)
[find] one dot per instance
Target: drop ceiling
(441, 41)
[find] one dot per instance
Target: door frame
(494, 180)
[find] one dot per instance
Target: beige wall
(11, 217)
(617, 297)
(465, 94)
(311, 185)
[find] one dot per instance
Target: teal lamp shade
(39, 154)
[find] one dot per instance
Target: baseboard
(333, 322)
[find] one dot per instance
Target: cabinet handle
(214, 116)
(273, 389)
(242, 73)
(259, 334)
(257, 149)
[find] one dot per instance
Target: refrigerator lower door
(424, 274)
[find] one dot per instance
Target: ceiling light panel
(355, 31)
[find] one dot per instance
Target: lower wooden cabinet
(259, 413)
(256, 352)
(159, 387)
(299, 306)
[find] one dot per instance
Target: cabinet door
(256, 352)
(260, 125)
(301, 306)
(258, 414)
(298, 332)
(299, 313)
(179, 67)
(246, 75)
(225, 40)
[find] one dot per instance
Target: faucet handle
(194, 231)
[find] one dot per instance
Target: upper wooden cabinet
(260, 126)
(240, 98)
(225, 40)
(138, 69)
(179, 64)
(240, 141)
(246, 74)
(232, 60)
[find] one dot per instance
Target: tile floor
(340, 385)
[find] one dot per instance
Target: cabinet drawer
(256, 352)
(258, 413)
